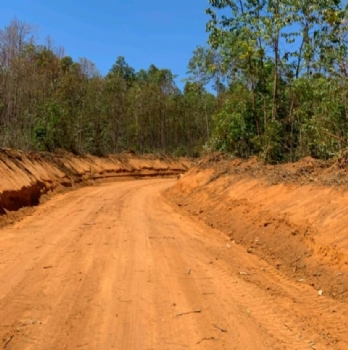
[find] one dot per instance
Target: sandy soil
(117, 267)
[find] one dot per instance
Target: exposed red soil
(249, 257)
(295, 216)
(27, 178)
(115, 267)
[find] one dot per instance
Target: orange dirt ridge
(231, 255)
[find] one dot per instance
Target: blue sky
(162, 32)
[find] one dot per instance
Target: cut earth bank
(28, 178)
(295, 216)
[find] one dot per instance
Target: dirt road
(116, 267)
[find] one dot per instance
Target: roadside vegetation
(49, 101)
(278, 69)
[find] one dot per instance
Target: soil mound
(295, 216)
(25, 177)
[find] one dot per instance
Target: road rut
(116, 267)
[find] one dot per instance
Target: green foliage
(233, 130)
(285, 63)
(49, 102)
(279, 70)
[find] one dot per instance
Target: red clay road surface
(116, 267)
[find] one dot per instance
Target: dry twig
(202, 340)
(224, 330)
(189, 312)
(287, 327)
(8, 342)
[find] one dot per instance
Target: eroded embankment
(295, 216)
(25, 177)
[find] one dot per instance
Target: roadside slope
(115, 267)
(25, 177)
(294, 216)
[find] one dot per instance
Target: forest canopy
(49, 101)
(278, 70)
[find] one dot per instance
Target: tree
(283, 55)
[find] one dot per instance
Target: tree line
(278, 69)
(49, 101)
